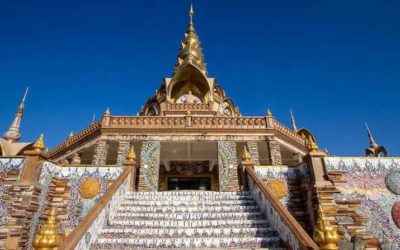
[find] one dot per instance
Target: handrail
(72, 240)
(304, 240)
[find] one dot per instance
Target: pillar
(149, 166)
(253, 149)
(227, 164)
(32, 168)
(100, 153)
(274, 150)
(123, 149)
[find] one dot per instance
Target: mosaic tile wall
(375, 183)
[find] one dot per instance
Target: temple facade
(190, 171)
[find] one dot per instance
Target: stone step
(188, 216)
(227, 242)
(188, 193)
(188, 203)
(186, 209)
(186, 224)
(183, 198)
(199, 196)
(186, 232)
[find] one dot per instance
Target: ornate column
(227, 164)
(253, 150)
(100, 153)
(149, 166)
(274, 150)
(123, 149)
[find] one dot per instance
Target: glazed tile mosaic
(374, 182)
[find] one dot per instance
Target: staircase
(187, 219)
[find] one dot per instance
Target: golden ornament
(48, 237)
(278, 188)
(246, 154)
(89, 188)
(325, 235)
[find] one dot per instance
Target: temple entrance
(188, 166)
(189, 183)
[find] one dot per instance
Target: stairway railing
(90, 227)
(290, 231)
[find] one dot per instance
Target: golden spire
(70, 135)
(191, 51)
(39, 144)
(131, 154)
(311, 144)
(294, 127)
(269, 114)
(246, 154)
(325, 235)
(48, 237)
(13, 133)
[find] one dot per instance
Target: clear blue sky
(335, 63)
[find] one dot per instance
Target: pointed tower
(189, 82)
(13, 133)
(191, 51)
(294, 127)
(374, 149)
(189, 88)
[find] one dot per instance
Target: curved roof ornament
(374, 149)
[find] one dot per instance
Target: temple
(190, 171)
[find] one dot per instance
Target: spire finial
(107, 112)
(94, 118)
(48, 237)
(374, 149)
(325, 235)
(246, 156)
(269, 113)
(131, 154)
(370, 137)
(13, 133)
(191, 14)
(39, 144)
(294, 127)
(71, 135)
(190, 52)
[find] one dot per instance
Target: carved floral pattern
(150, 163)
(227, 162)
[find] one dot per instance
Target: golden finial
(131, 154)
(311, 144)
(70, 135)
(107, 112)
(325, 235)
(48, 237)
(269, 114)
(246, 154)
(190, 52)
(39, 144)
